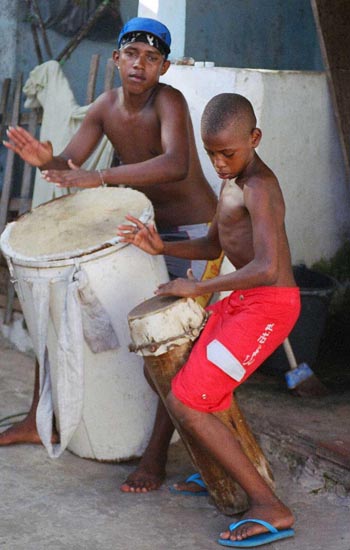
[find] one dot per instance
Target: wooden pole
(42, 27)
(333, 26)
(68, 50)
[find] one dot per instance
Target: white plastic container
(118, 405)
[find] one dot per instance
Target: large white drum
(76, 284)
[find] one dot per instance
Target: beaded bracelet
(103, 183)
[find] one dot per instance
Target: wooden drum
(163, 330)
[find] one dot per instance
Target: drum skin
(227, 495)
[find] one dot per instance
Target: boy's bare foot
(24, 432)
(144, 479)
(277, 514)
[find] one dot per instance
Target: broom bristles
(303, 382)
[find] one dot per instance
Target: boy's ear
(115, 57)
(165, 67)
(256, 136)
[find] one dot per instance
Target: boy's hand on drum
(35, 152)
(75, 177)
(187, 288)
(144, 236)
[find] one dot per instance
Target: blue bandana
(145, 37)
(150, 31)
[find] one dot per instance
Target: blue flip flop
(194, 478)
(257, 540)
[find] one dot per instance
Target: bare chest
(231, 204)
(135, 138)
(234, 224)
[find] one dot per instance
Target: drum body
(163, 330)
(118, 405)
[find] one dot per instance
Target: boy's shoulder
(260, 181)
(166, 91)
(260, 175)
(108, 97)
(161, 92)
(169, 102)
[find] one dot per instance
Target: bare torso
(136, 137)
(235, 227)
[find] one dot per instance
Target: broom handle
(290, 355)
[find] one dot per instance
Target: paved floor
(72, 503)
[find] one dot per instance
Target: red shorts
(241, 332)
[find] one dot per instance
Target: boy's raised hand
(144, 236)
(31, 150)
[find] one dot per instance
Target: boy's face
(140, 65)
(231, 150)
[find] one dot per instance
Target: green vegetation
(338, 266)
(333, 362)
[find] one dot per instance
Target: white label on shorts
(218, 354)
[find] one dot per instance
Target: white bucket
(118, 406)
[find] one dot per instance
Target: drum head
(77, 224)
(164, 322)
(153, 305)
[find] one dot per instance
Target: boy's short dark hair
(222, 108)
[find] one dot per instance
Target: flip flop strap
(268, 526)
(196, 478)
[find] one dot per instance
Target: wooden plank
(91, 86)
(42, 28)
(83, 31)
(333, 27)
(25, 191)
(10, 302)
(24, 118)
(6, 191)
(16, 303)
(37, 43)
(5, 92)
(7, 184)
(336, 450)
(109, 75)
(20, 204)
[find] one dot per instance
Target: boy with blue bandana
(149, 126)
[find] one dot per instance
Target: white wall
(300, 143)
(173, 15)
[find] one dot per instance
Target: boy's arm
(171, 165)
(148, 239)
(40, 154)
(266, 209)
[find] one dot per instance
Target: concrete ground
(75, 503)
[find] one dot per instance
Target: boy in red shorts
(248, 325)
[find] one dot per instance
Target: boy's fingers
(152, 228)
(19, 133)
(17, 140)
(8, 145)
(72, 165)
(136, 221)
(190, 274)
(132, 218)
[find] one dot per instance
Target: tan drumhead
(153, 305)
(78, 223)
(164, 322)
